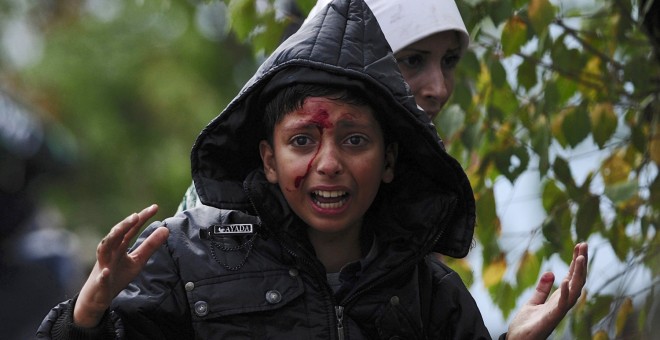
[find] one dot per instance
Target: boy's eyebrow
(354, 123)
(301, 125)
(311, 124)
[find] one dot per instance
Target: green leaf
(305, 5)
(600, 306)
(566, 89)
(616, 168)
(654, 188)
(551, 99)
(552, 195)
(541, 14)
(268, 39)
(462, 267)
(462, 95)
(552, 231)
(514, 35)
(503, 102)
(619, 240)
(528, 270)
(622, 316)
(486, 215)
(603, 122)
(576, 126)
(639, 76)
(588, 215)
(493, 271)
(527, 74)
(498, 11)
(512, 162)
(488, 224)
(557, 231)
(504, 296)
(470, 64)
(569, 60)
(541, 140)
(243, 17)
(622, 191)
(497, 73)
(450, 121)
(563, 172)
(471, 136)
(638, 138)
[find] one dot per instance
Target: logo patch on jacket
(233, 229)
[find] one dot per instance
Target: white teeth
(329, 194)
(330, 205)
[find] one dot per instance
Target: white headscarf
(407, 21)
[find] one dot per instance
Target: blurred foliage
(135, 81)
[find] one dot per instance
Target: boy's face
(329, 159)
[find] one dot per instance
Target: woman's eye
(412, 61)
(450, 61)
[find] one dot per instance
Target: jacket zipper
(347, 302)
(339, 311)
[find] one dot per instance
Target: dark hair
(293, 97)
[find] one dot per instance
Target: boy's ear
(390, 160)
(268, 160)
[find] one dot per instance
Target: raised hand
(115, 268)
(538, 317)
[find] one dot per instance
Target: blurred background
(555, 117)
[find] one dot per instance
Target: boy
(323, 197)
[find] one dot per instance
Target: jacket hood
(344, 46)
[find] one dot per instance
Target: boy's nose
(328, 161)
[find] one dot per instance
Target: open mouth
(329, 199)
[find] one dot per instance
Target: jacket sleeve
(153, 306)
(454, 314)
(58, 324)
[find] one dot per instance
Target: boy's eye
(356, 140)
(300, 140)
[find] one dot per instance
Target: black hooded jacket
(263, 280)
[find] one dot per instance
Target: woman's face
(428, 67)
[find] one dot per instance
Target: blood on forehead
(320, 118)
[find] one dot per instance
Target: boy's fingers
(579, 278)
(118, 239)
(150, 245)
(571, 268)
(584, 251)
(143, 216)
(148, 212)
(114, 238)
(542, 289)
(564, 297)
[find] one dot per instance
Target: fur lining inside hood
(344, 46)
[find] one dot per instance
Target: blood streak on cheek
(320, 119)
